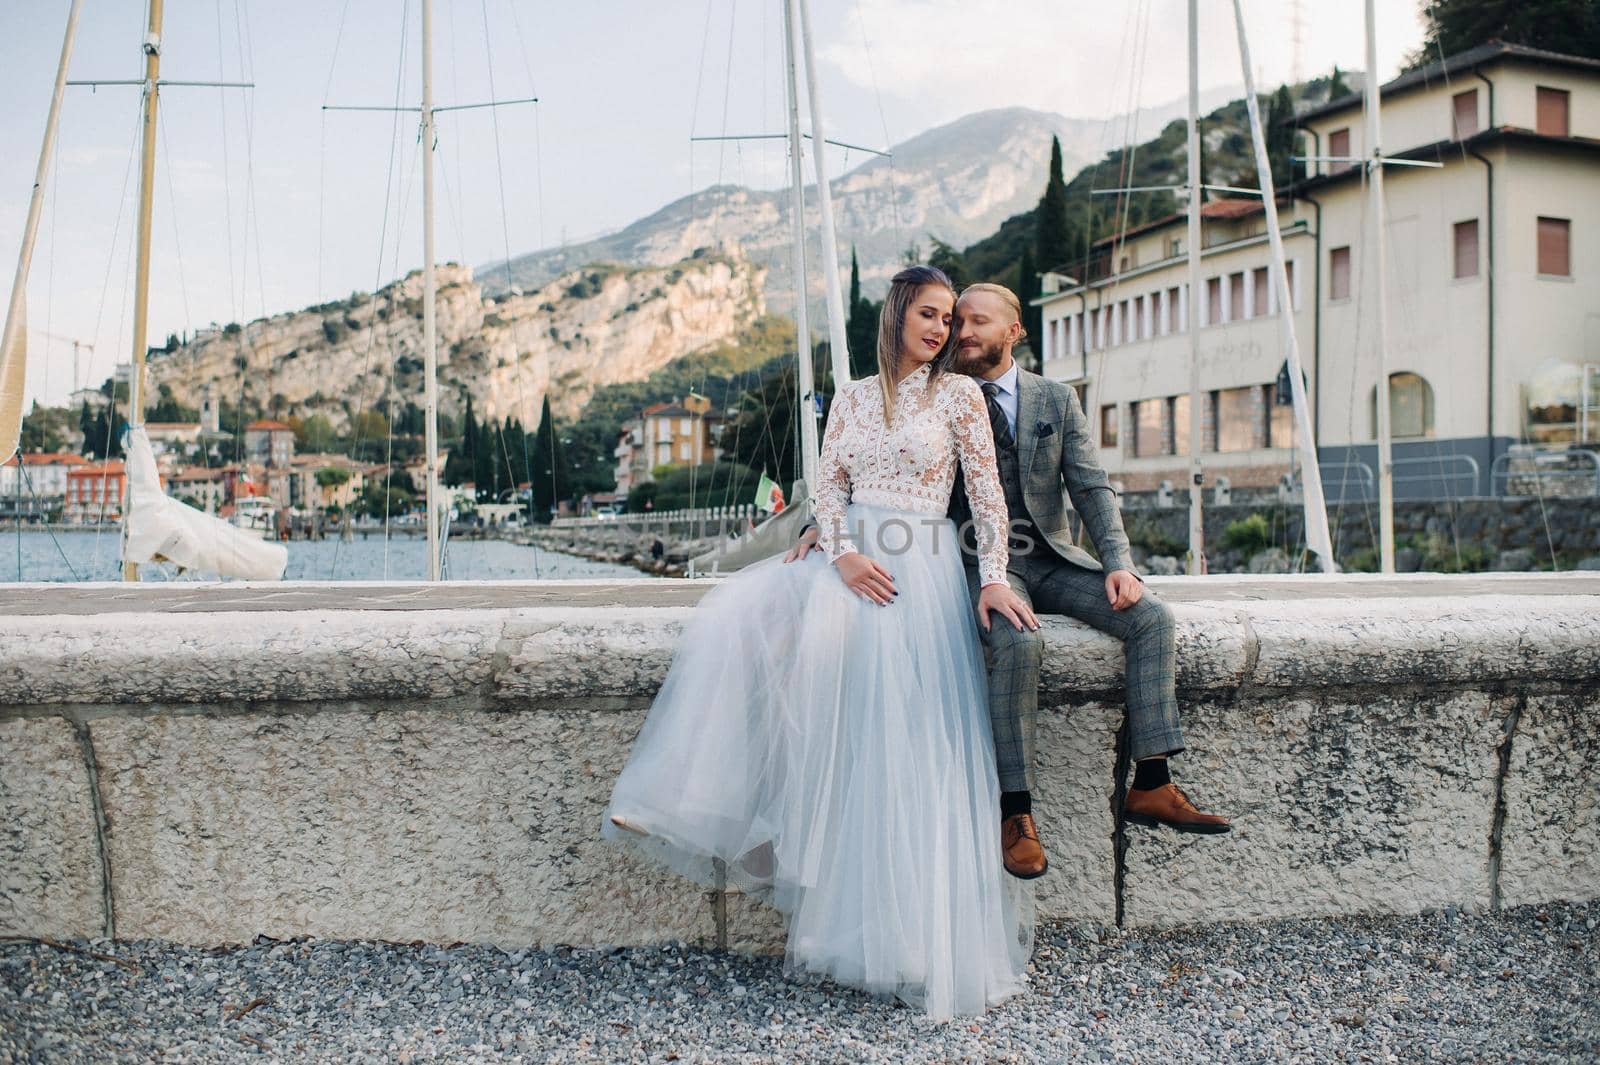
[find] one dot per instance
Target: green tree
(1051, 241)
(460, 465)
(948, 259)
(384, 496)
(1337, 86)
(45, 428)
(1027, 292)
(1454, 26)
(314, 434)
(861, 326)
(1280, 134)
(549, 466)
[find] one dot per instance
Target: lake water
(92, 556)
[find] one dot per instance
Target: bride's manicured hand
(866, 578)
(1003, 600)
(803, 546)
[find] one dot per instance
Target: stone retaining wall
(439, 774)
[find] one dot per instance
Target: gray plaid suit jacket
(1054, 450)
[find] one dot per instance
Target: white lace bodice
(910, 464)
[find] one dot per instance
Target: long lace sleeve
(969, 422)
(832, 491)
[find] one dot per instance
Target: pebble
(1435, 987)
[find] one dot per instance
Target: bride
(822, 735)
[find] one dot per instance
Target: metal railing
(1543, 474)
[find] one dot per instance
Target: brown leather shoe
(1167, 805)
(1019, 839)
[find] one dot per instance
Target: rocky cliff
(600, 325)
(956, 182)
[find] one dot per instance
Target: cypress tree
(1336, 85)
(1050, 240)
(1280, 136)
(1032, 317)
(861, 327)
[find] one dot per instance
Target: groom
(1042, 445)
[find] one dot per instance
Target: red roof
(1216, 209)
(46, 458)
(99, 469)
(268, 423)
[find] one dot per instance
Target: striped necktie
(1003, 438)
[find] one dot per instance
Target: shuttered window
(1466, 113)
(1258, 298)
(1553, 112)
(1466, 248)
(1339, 145)
(1555, 248)
(1236, 297)
(1213, 300)
(1339, 274)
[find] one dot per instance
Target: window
(1213, 300)
(1108, 425)
(1339, 146)
(1466, 245)
(1339, 273)
(1148, 416)
(1175, 247)
(1259, 292)
(1178, 422)
(1237, 418)
(1465, 114)
(1410, 407)
(1095, 340)
(1236, 297)
(1294, 296)
(1174, 322)
(1553, 112)
(1277, 420)
(1555, 258)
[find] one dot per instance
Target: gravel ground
(1445, 986)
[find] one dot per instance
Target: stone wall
(211, 771)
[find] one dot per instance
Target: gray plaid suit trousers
(1053, 585)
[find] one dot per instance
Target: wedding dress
(833, 757)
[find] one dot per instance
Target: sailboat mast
(806, 408)
(1197, 528)
(12, 339)
(1377, 243)
(838, 343)
(1316, 513)
(429, 323)
(141, 282)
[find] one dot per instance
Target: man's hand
(802, 547)
(866, 578)
(1003, 600)
(1123, 589)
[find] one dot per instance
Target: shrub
(1248, 535)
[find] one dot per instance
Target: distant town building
(1493, 295)
(34, 484)
(95, 399)
(201, 487)
(177, 437)
(94, 493)
(269, 443)
(666, 434)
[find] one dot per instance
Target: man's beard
(979, 360)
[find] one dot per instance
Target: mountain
(583, 330)
(956, 182)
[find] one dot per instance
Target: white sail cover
(772, 537)
(161, 529)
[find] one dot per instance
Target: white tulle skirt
(833, 757)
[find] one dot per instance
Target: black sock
(1150, 773)
(1015, 802)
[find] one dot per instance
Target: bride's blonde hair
(903, 289)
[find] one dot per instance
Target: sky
(265, 202)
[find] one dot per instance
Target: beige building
(1493, 295)
(269, 443)
(666, 434)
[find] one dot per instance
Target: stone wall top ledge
(517, 654)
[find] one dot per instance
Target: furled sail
(13, 358)
(162, 529)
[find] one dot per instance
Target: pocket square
(1043, 429)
